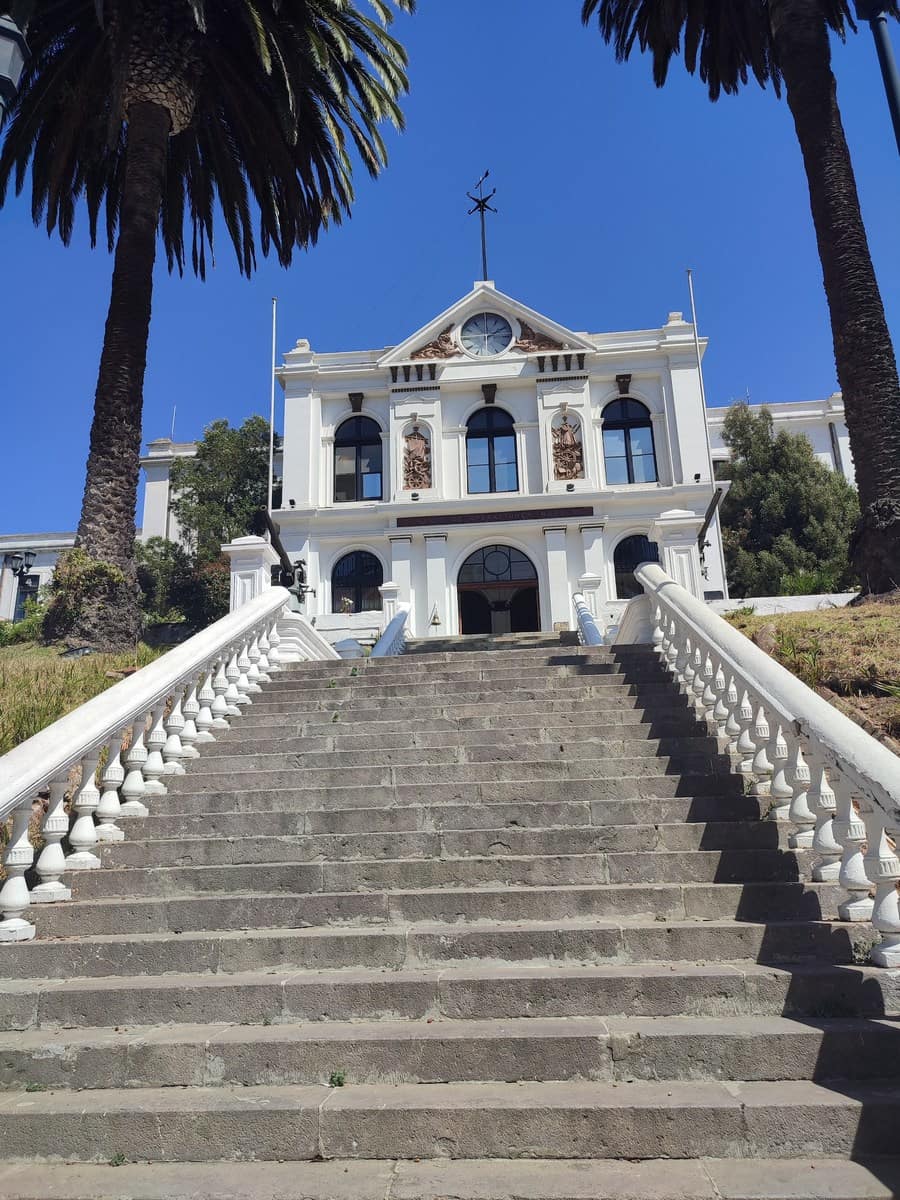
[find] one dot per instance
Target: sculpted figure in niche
(416, 461)
(568, 454)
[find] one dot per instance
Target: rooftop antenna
(174, 411)
(481, 205)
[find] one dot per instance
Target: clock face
(487, 333)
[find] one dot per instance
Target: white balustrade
(835, 787)
(588, 630)
(393, 639)
(160, 713)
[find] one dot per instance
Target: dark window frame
(360, 439)
(627, 587)
(633, 415)
(497, 423)
(358, 581)
(28, 588)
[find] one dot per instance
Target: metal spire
(481, 206)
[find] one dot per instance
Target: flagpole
(272, 407)
(690, 275)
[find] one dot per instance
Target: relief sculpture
(530, 342)
(443, 346)
(568, 454)
(416, 461)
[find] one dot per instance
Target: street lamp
(13, 48)
(19, 564)
(876, 13)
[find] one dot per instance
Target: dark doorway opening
(498, 592)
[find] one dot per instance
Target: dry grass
(853, 651)
(37, 686)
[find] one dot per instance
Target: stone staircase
(488, 920)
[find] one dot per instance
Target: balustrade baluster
(801, 815)
(190, 710)
(823, 802)
(83, 834)
(51, 862)
(673, 651)
(275, 663)
(706, 692)
(243, 683)
(172, 749)
(658, 636)
(720, 709)
(733, 722)
(205, 717)
(155, 765)
(233, 698)
(220, 686)
(883, 868)
(263, 664)
(762, 766)
(850, 830)
(686, 671)
(253, 669)
(111, 779)
(134, 789)
(17, 858)
(780, 791)
(746, 746)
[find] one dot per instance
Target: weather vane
(482, 206)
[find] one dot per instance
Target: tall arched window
(491, 452)
(356, 578)
(357, 461)
(628, 443)
(630, 553)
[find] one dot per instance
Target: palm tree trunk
(106, 529)
(864, 354)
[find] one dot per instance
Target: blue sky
(607, 189)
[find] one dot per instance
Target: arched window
(491, 452)
(630, 553)
(357, 461)
(628, 443)
(355, 579)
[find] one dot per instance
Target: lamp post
(14, 17)
(876, 13)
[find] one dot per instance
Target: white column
(252, 559)
(522, 453)
(558, 574)
(389, 593)
(675, 532)
(326, 496)
(436, 584)
(401, 568)
(592, 581)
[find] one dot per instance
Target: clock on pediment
(486, 334)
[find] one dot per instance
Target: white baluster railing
(588, 630)
(185, 697)
(393, 639)
(818, 771)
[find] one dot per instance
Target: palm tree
(787, 42)
(158, 113)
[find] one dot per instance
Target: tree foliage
(786, 519)
(217, 492)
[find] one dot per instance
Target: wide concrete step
(626, 723)
(486, 870)
(252, 846)
(510, 677)
(528, 742)
(691, 753)
(678, 815)
(600, 688)
(704, 794)
(451, 1051)
(399, 946)
(480, 991)
(601, 709)
(222, 774)
(571, 1119)
(463, 1179)
(124, 918)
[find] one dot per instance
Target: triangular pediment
(439, 339)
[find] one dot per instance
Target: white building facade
(483, 470)
(494, 463)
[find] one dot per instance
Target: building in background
(485, 468)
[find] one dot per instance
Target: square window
(371, 486)
(644, 468)
(616, 470)
(614, 443)
(479, 478)
(477, 452)
(506, 477)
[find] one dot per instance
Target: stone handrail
(393, 639)
(160, 713)
(838, 787)
(588, 630)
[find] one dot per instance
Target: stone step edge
(463, 1179)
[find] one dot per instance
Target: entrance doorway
(498, 592)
